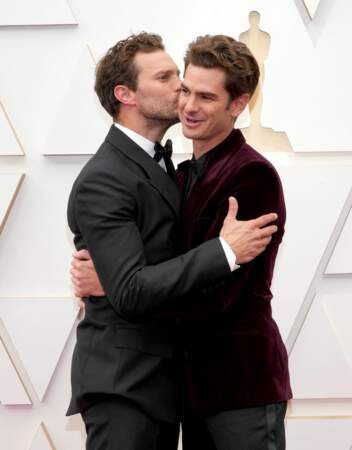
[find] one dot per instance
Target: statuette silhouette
(261, 138)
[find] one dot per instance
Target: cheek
(181, 104)
(213, 120)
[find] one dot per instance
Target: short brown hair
(233, 57)
(117, 67)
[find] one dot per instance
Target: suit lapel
(216, 173)
(155, 174)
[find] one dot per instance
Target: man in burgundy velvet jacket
(235, 363)
(236, 366)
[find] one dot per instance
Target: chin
(172, 116)
(189, 133)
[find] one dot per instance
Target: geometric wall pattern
(322, 350)
(42, 440)
(314, 203)
(337, 309)
(316, 15)
(312, 6)
(10, 184)
(341, 261)
(319, 333)
(12, 391)
(52, 319)
(305, 94)
(36, 12)
(305, 312)
(80, 127)
(9, 141)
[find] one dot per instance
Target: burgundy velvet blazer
(234, 354)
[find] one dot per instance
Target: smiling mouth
(191, 122)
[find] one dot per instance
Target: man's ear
(238, 105)
(124, 95)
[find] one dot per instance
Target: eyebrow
(208, 94)
(167, 71)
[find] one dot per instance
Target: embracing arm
(106, 218)
(107, 215)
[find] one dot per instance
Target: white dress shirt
(148, 147)
(144, 143)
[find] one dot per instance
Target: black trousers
(259, 428)
(118, 424)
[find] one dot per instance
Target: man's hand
(247, 238)
(84, 276)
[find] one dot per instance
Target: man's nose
(190, 104)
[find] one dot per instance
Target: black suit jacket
(125, 210)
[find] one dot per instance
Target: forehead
(149, 63)
(201, 79)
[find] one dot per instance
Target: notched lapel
(155, 174)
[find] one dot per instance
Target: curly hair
(118, 67)
(233, 57)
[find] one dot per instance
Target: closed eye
(163, 76)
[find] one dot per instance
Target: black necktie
(165, 152)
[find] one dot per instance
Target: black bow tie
(163, 151)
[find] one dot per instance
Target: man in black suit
(124, 209)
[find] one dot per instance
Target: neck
(201, 147)
(151, 130)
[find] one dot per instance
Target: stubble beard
(160, 113)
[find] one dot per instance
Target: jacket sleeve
(106, 213)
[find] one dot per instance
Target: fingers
(264, 242)
(78, 278)
(264, 220)
(82, 255)
(78, 294)
(267, 231)
(77, 269)
(82, 265)
(233, 208)
(78, 283)
(79, 290)
(261, 244)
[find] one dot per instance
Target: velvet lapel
(218, 171)
(155, 174)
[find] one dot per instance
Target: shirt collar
(145, 144)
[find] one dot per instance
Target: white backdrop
(48, 111)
